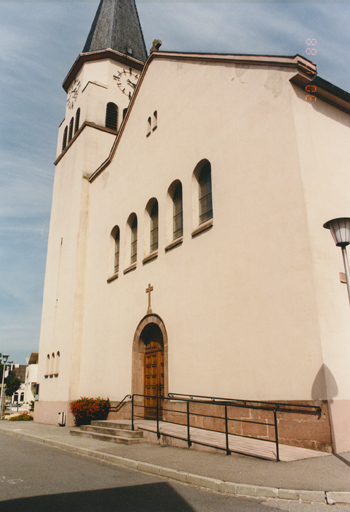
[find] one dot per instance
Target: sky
(39, 42)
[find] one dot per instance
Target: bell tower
(99, 87)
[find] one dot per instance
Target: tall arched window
(65, 135)
(177, 212)
(71, 129)
(154, 227)
(112, 116)
(77, 120)
(116, 250)
(133, 258)
(205, 194)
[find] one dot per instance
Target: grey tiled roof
(117, 26)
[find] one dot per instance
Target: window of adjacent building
(133, 258)
(112, 116)
(154, 227)
(77, 120)
(71, 129)
(65, 135)
(177, 212)
(205, 194)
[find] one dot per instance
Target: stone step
(106, 437)
(121, 424)
(122, 432)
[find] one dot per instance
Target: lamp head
(340, 229)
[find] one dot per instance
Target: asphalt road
(35, 477)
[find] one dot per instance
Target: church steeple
(117, 26)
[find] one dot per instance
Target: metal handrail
(121, 403)
(224, 404)
(276, 405)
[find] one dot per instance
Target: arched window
(154, 227)
(133, 258)
(205, 194)
(124, 112)
(71, 129)
(52, 364)
(149, 127)
(57, 369)
(77, 120)
(112, 116)
(155, 120)
(116, 249)
(47, 365)
(177, 212)
(65, 135)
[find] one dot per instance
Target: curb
(220, 486)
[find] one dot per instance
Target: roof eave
(99, 55)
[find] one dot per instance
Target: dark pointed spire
(117, 26)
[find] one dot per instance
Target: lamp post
(340, 229)
(4, 360)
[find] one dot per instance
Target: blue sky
(39, 43)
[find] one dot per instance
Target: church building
(186, 251)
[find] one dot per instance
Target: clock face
(126, 81)
(73, 93)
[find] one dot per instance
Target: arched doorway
(150, 363)
(153, 368)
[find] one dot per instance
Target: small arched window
(47, 365)
(52, 364)
(65, 135)
(155, 120)
(77, 120)
(116, 250)
(112, 116)
(177, 212)
(149, 127)
(71, 129)
(133, 258)
(154, 227)
(205, 194)
(57, 369)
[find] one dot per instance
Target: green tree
(12, 383)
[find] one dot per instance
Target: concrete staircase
(109, 430)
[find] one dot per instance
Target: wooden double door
(154, 373)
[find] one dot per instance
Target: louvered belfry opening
(112, 116)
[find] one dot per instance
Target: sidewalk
(323, 479)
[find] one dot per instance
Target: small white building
(31, 379)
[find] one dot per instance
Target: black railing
(280, 406)
(135, 404)
(121, 404)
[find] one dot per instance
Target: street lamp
(340, 229)
(4, 360)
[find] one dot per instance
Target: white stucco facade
(251, 301)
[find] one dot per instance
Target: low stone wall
(296, 426)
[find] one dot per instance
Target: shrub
(25, 416)
(86, 409)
